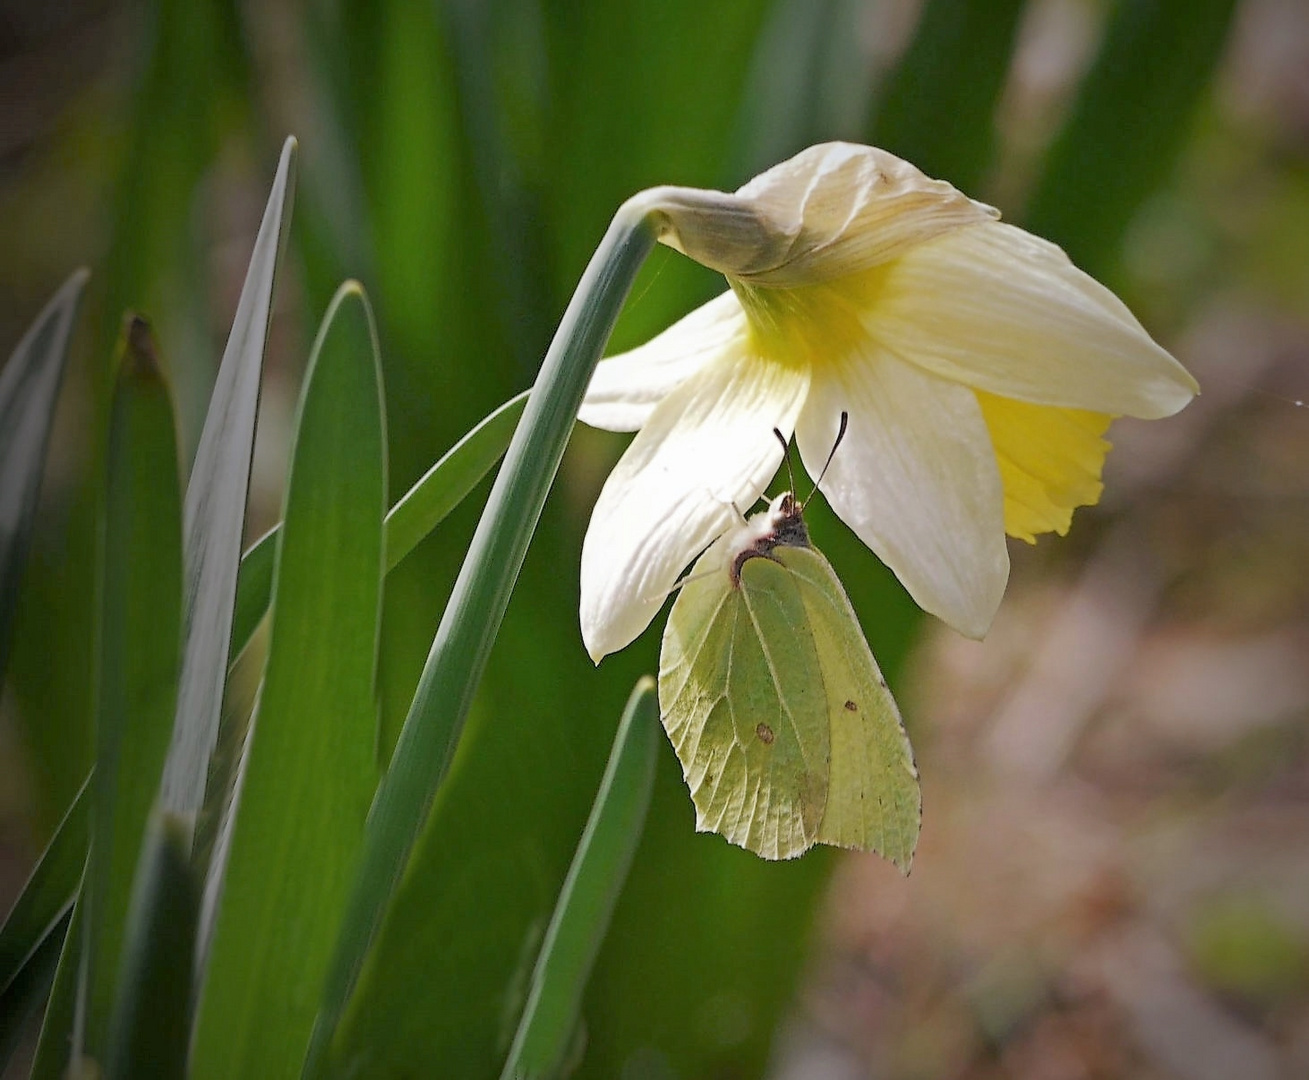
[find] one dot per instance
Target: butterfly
(785, 729)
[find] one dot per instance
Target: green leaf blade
(36, 931)
(311, 764)
(447, 483)
(50, 888)
(938, 108)
(1128, 125)
(590, 892)
(215, 510)
(422, 508)
(476, 607)
(20, 998)
(139, 637)
(54, 1047)
(29, 389)
(151, 1029)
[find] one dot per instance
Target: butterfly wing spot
(850, 706)
(765, 734)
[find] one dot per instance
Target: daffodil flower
(979, 368)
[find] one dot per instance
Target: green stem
(481, 593)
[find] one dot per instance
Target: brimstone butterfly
(786, 731)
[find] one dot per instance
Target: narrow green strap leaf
(807, 82)
(245, 676)
(509, 205)
(447, 483)
(49, 890)
(477, 604)
(215, 510)
(310, 769)
(590, 891)
(187, 71)
(1130, 121)
(151, 1028)
(55, 1044)
(424, 506)
(29, 389)
(141, 604)
(938, 106)
(30, 987)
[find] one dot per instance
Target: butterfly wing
(742, 698)
(873, 801)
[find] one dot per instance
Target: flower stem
(481, 593)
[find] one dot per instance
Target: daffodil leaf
(50, 889)
(140, 622)
(31, 986)
(186, 75)
(424, 506)
(35, 931)
(1127, 126)
(29, 389)
(477, 604)
(807, 80)
(54, 1046)
(215, 510)
(937, 109)
(310, 766)
(151, 1026)
(590, 891)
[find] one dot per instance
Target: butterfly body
(781, 524)
(786, 731)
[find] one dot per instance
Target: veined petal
(707, 446)
(852, 207)
(1004, 311)
(1050, 462)
(625, 388)
(916, 479)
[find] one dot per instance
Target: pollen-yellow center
(813, 325)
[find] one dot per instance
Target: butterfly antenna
(840, 434)
(786, 453)
(685, 580)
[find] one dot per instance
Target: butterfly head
(782, 524)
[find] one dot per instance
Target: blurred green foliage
(1241, 944)
(462, 159)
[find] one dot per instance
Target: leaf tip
(140, 354)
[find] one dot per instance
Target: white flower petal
(1004, 311)
(852, 207)
(707, 446)
(916, 479)
(625, 388)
